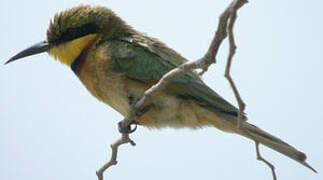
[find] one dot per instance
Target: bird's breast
(119, 92)
(104, 84)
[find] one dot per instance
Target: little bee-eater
(117, 64)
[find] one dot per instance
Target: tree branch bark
(202, 63)
(113, 160)
(232, 51)
(260, 158)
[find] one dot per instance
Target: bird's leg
(125, 130)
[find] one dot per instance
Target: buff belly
(119, 92)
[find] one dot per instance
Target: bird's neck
(67, 52)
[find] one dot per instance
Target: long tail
(253, 132)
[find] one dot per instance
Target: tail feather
(253, 132)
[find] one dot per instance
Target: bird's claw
(125, 128)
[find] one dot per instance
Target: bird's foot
(124, 126)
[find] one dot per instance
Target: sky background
(52, 128)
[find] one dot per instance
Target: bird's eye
(71, 31)
(70, 34)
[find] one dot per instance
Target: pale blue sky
(52, 128)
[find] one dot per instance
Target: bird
(117, 64)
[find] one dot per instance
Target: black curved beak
(35, 49)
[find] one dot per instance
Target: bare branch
(221, 33)
(232, 50)
(113, 161)
(225, 28)
(203, 63)
(260, 158)
(229, 15)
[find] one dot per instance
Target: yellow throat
(67, 52)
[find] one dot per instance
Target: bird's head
(71, 31)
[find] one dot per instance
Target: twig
(260, 158)
(221, 33)
(203, 63)
(113, 161)
(232, 48)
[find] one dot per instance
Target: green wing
(148, 65)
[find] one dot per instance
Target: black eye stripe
(74, 33)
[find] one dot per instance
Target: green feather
(142, 64)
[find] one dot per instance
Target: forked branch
(225, 27)
(203, 63)
(115, 146)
